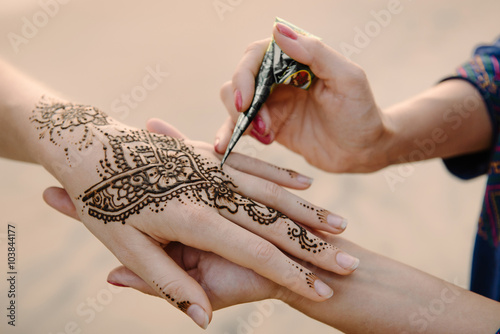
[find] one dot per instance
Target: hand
(335, 125)
(382, 296)
(184, 196)
(225, 283)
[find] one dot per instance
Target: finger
(251, 251)
(259, 129)
(298, 209)
(223, 136)
(283, 232)
(158, 126)
(124, 277)
(261, 169)
(146, 258)
(243, 81)
(326, 63)
(59, 199)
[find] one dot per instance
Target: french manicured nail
(304, 179)
(199, 316)
(259, 125)
(322, 289)
(286, 31)
(347, 261)
(117, 284)
(268, 139)
(336, 221)
(238, 101)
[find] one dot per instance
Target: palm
(340, 125)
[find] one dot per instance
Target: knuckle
(257, 46)
(272, 191)
(357, 74)
(264, 252)
(225, 90)
(194, 215)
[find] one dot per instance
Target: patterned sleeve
(482, 71)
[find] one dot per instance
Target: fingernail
(117, 284)
(286, 31)
(216, 144)
(268, 139)
(322, 289)
(347, 261)
(237, 100)
(199, 316)
(336, 221)
(259, 125)
(304, 179)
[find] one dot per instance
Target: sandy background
(94, 51)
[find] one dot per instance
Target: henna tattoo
(140, 170)
(290, 172)
(55, 118)
(182, 305)
(320, 213)
(310, 276)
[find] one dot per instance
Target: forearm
(385, 296)
(18, 97)
(447, 120)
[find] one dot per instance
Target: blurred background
(95, 52)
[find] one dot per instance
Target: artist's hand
(336, 124)
(138, 191)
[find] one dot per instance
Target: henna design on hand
(56, 118)
(182, 305)
(310, 276)
(320, 213)
(142, 169)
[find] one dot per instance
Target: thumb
(59, 199)
(151, 266)
(161, 127)
(326, 63)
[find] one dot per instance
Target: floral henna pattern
(55, 118)
(141, 170)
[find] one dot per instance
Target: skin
(382, 296)
(137, 192)
(337, 125)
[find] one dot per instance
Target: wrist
(376, 156)
(68, 134)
